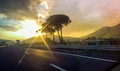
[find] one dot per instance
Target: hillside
(7, 41)
(106, 32)
(39, 39)
(29, 40)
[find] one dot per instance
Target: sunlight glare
(29, 28)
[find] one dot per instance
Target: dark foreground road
(41, 60)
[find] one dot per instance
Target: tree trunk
(53, 38)
(59, 36)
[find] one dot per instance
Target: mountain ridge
(39, 39)
(106, 32)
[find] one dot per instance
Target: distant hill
(29, 40)
(106, 32)
(6, 41)
(39, 39)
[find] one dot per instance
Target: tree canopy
(55, 23)
(58, 21)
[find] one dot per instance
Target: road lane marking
(27, 53)
(57, 67)
(87, 57)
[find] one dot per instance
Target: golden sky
(87, 16)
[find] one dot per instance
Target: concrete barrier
(87, 47)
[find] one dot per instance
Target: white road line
(57, 67)
(87, 57)
(27, 53)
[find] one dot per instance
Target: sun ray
(42, 13)
(29, 28)
(26, 51)
(48, 47)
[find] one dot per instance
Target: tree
(57, 22)
(48, 29)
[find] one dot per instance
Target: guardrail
(90, 47)
(85, 47)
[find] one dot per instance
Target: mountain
(6, 41)
(35, 39)
(39, 39)
(106, 32)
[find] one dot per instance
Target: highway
(59, 61)
(46, 60)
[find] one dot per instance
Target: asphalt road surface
(14, 59)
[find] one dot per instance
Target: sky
(18, 17)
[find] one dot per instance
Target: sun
(29, 28)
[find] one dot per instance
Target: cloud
(18, 9)
(10, 25)
(63, 6)
(93, 16)
(2, 16)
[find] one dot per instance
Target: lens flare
(29, 28)
(42, 14)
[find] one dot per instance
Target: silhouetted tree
(48, 29)
(57, 22)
